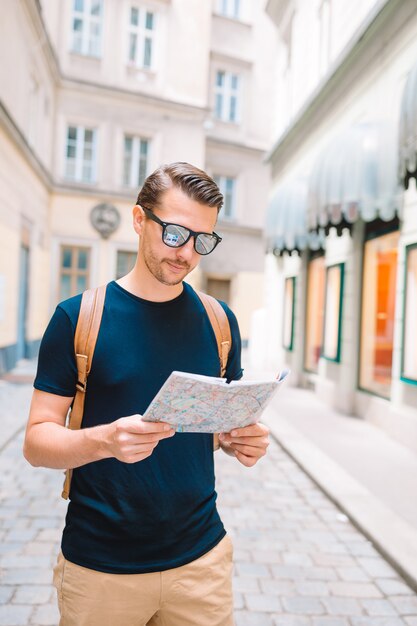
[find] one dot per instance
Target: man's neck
(148, 287)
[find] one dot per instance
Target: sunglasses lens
(205, 244)
(175, 236)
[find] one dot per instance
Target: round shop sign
(105, 218)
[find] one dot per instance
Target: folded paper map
(203, 404)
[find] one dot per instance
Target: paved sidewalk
(372, 478)
(299, 561)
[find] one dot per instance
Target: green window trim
(289, 346)
(335, 359)
(403, 377)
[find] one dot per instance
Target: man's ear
(138, 218)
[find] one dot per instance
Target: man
(143, 542)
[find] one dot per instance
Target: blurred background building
(341, 231)
(305, 112)
(94, 95)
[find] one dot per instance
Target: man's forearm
(54, 446)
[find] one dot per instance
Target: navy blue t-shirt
(157, 513)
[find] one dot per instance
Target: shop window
(125, 262)
(316, 275)
(74, 271)
(409, 343)
(333, 312)
(289, 313)
(378, 312)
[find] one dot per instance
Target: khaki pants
(196, 594)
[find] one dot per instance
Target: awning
(407, 161)
(355, 176)
(286, 220)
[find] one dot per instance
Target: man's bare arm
(48, 443)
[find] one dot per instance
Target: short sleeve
(57, 371)
(234, 369)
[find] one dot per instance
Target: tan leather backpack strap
(221, 327)
(88, 326)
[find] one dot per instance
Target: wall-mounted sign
(105, 218)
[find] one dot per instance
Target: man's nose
(187, 252)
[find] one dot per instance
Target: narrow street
(298, 559)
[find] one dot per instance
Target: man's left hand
(248, 444)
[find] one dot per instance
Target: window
(378, 313)
(87, 26)
(126, 260)
(324, 39)
(141, 37)
(74, 271)
(289, 313)
(226, 96)
(227, 186)
(229, 8)
(219, 288)
(81, 154)
(315, 313)
(135, 161)
(409, 356)
(333, 312)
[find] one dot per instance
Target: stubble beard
(155, 267)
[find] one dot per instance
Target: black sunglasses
(175, 235)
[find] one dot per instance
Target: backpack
(86, 332)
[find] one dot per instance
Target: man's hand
(130, 439)
(248, 444)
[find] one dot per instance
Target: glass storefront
(316, 276)
(378, 313)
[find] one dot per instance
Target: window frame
(313, 255)
(135, 160)
(87, 20)
(74, 271)
(406, 379)
(337, 357)
(231, 9)
(79, 162)
(221, 181)
(226, 92)
(373, 230)
(290, 346)
(142, 34)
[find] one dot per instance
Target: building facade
(341, 233)
(106, 91)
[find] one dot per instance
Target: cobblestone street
(298, 560)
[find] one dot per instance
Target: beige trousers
(196, 594)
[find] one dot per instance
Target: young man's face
(171, 265)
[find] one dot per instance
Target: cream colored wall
(29, 93)
(174, 136)
(346, 18)
(246, 297)
(9, 270)
(24, 201)
(177, 24)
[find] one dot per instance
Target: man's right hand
(130, 439)
(48, 443)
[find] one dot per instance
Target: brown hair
(192, 181)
